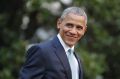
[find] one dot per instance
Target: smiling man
(71, 28)
(56, 59)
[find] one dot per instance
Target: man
(56, 59)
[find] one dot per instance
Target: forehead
(75, 18)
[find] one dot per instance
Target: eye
(79, 27)
(69, 25)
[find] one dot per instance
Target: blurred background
(26, 22)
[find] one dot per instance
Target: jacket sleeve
(34, 67)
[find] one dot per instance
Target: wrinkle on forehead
(75, 17)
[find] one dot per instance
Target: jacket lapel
(60, 52)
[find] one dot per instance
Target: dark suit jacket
(47, 60)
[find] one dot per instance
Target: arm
(34, 65)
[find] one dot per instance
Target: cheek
(82, 32)
(64, 30)
(63, 33)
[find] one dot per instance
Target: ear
(58, 23)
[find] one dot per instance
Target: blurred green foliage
(99, 49)
(11, 59)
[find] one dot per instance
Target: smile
(70, 36)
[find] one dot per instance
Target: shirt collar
(66, 47)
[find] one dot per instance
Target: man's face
(71, 28)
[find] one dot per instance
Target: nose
(73, 31)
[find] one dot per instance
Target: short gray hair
(75, 10)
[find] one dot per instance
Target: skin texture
(71, 28)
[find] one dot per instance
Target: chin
(70, 44)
